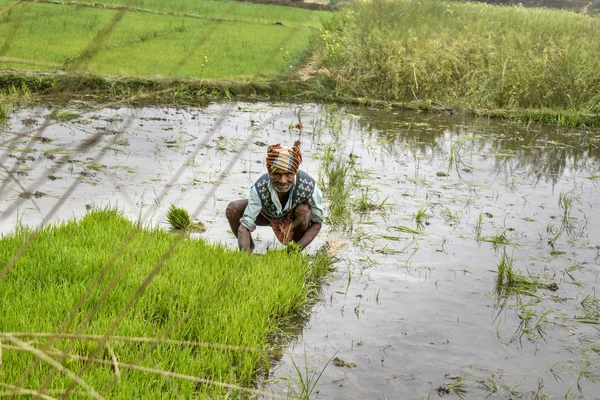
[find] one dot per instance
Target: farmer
(284, 198)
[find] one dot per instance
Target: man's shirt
(255, 206)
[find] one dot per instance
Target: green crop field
(218, 309)
(207, 40)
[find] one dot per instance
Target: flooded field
(473, 245)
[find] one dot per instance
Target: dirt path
(311, 69)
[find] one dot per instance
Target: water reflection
(545, 152)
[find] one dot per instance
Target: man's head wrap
(284, 159)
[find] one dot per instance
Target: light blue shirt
(255, 206)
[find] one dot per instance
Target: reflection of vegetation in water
(63, 114)
(546, 154)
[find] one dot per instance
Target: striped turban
(284, 159)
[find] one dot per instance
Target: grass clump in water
(182, 318)
(510, 281)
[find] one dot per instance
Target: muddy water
(413, 310)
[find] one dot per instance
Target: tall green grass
(207, 39)
(464, 55)
(201, 293)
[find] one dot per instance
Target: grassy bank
(92, 276)
(466, 56)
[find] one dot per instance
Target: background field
(208, 39)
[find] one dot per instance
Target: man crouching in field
(286, 199)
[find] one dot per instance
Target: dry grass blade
(333, 245)
(115, 361)
(15, 390)
(58, 366)
(149, 370)
(128, 339)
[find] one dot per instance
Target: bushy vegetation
(464, 55)
(104, 275)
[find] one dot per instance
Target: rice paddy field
(202, 40)
(472, 253)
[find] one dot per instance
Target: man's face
(282, 180)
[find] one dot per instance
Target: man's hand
(309, 235)
(245, 239)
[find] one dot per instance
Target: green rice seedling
(406, 229)
(494, 387)
(364, 203)
(63, 115)
(589, 307)
(155, 43)
(538, 394)
(4, 113)
(491, 385)
(455, 152)
(187, 308)
(498, 240)
(390, 237)
(587, 375)
(337, 184)
(306, 379)
(443, 245)
(553, 234)
(449, 216)
(361, 238)
(565, 202)
(510, 281)
(570, 270)
(421, 218)
(180, 219)
(457, 387)
(532, 324)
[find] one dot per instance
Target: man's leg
(301, 220)
(304, 230)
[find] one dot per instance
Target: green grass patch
(208, 39)
(87, 277)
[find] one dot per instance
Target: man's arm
(309, 235)
(245, 240)
(248, 222)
